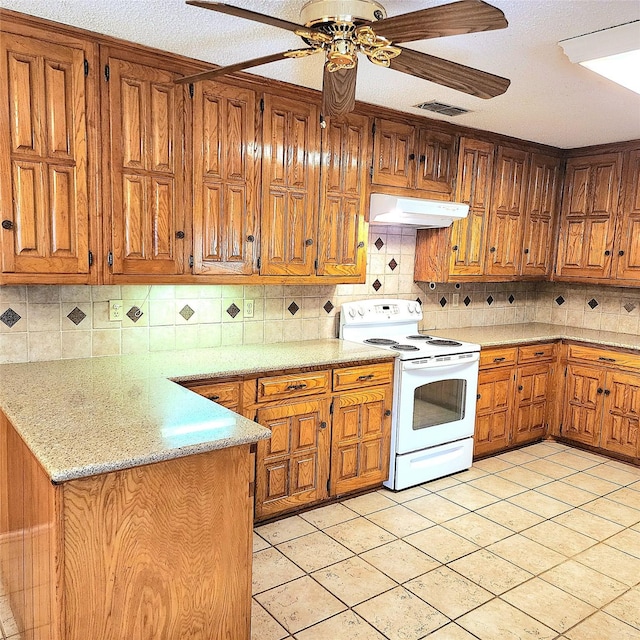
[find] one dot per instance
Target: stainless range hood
(414, 212)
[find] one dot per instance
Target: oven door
(436, 402)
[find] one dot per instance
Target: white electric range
(435, 387)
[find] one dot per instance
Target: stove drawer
(363, 376)
(293, 385)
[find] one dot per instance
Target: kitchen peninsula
(126, 503)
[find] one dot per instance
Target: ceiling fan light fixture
(341, 54)
(318, 12)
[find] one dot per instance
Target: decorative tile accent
(490, 300)
(134, 314)
(328, 307)
(186, 312)
(511, 299)
(443, 301)
(233, 310)
(593, 303)
(419, 301)
(76, 316)
(393, 264)
(630, 306)
(379, 244)
(10, 317)
(467, 301)
(377, 284)
(293, 308)
(560, 301)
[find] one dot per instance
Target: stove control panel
(380, 311)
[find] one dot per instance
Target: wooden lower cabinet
(621, 420)
(293, 465)
(361, 440)
(493, 410)
(530, 410)
(583, 406)
(159, 551)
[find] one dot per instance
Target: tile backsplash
(53, 322)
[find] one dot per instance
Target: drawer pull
(499, 359)
(539, 353)
(369, 376)
(600, 391)
(214, 398)
(296, 387)
(606, 359)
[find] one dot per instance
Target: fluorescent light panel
(613, 53)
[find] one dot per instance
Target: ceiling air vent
(443, 109)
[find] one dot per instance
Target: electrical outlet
(116, 310)
(455, 299)
(248, 308)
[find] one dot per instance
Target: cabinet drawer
(498, 357)
(364, 376)
(604, 357)
(536, 352)
(293, 385)
(225, 393)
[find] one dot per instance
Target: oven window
(438, 403)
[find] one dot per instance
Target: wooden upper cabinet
(507, 212)
(589, 209)
(393, 154)
(541, 210)
(469, 235)
(436, 163)
(290, 178)
(342, 229)
(224, 174)
(627, 252)
(44, 183)
(145, 130)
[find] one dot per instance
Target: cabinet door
(542, 198)
(393, 154)
(145, 108)
(361, 440)
(290, 165)
(43, 161)
(224, 167)
(621, 422)
(530, 412)
(583, 404)
(628, 246)
(507, 212)
(292, 468)
(468, 236)
(342, 242)
(589, 210)
(493, 410)
(436, 163)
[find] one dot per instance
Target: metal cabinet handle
(499, 359)
(180, 235)
(214, 398)
(360, 245)
(423, 158)
(539, 353)
(412, 156)
(621, 252)
(526, 250)
(607, 252)
(250, 238)
(308, 242)
(607, 392)
(600, 391)
(492, 250)
(367, 377)
(606, 359)
(520, 387)
(323, 425)
(478, 396)
(7, 224)
(296, 387)
(387, 413)
(455, 247)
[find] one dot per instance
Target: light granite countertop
(85, 417)
(506, 334)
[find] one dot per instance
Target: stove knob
(361, 311)
(352, 312)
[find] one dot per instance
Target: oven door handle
(410, 366)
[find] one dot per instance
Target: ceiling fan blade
(339, 91)
(238, 12)
(450, 74)
(466, 16)
(247, 64)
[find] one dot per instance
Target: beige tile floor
(542, 542)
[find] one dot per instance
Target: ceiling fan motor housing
(318, 12)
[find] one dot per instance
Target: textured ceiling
(550, 100)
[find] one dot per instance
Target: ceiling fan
(343, 28)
